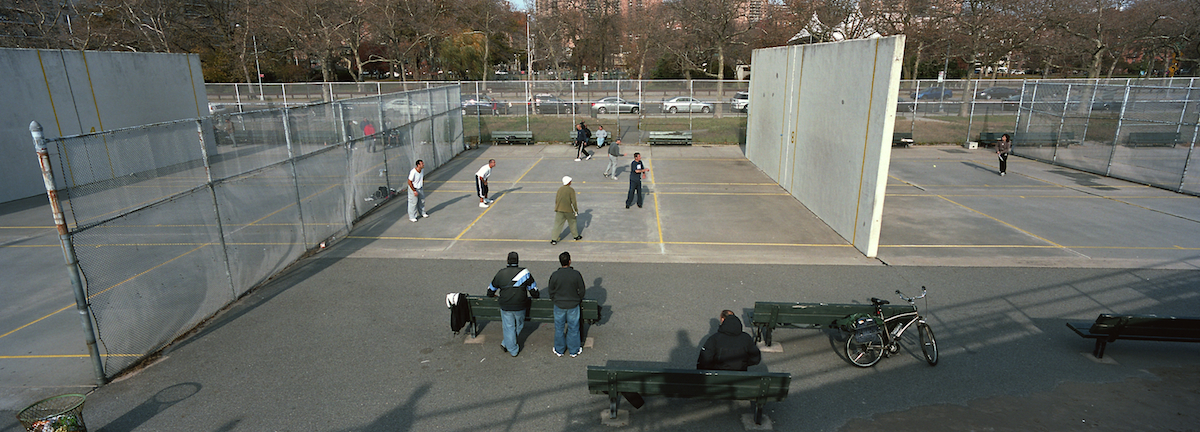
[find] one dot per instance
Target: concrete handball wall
(820, 125)
(76, 92)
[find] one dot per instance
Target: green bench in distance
(903, 139)
(1042, 138)
(671, 137)
(769, 316)
(1165, 139)
(512, 137)
(485, 308)
(1110, 327)
(757, 387)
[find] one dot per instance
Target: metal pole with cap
(64, 238)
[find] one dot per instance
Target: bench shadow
(147, 410)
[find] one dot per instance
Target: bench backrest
(488, 309)
(815, 314)
(687, 383)
(1147, 325)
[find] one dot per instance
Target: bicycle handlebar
(912, 299)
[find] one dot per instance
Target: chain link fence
(173, 221)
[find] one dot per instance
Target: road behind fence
(173, 221)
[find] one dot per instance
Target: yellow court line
(52, 356)
(35, 321)
(1003, 222)
(30, 246)
(657, 214)
(28, 227)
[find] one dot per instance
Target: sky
(518, 4)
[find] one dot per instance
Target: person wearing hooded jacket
(515, 286)
(729, 348)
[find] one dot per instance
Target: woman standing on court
(1003, 147)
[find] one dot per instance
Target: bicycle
(868, 344)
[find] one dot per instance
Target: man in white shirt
(481, 178)
(416, 196)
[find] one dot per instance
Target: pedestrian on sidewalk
(614, 151)
(416, 196)
(515, 285)
(566, 289)
(566, 209)
(582, 135)
(1003, 148)
(637, 172)
(481, 186)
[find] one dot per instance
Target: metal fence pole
(1062, 121)
(212, 188)
(1191, 148)
(292, 155)
(1117, 135)
(68, 248)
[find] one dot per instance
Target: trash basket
(62, 413)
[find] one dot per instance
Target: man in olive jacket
(566, 289)
(565, 209)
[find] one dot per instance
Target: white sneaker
(483, 205)
(489, 200)
(424, 214)
(578, 159)
(589, 157)
(412, 220)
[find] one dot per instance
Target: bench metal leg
(1100, 345)
(474, 328)
(614, 398)
(758, 411)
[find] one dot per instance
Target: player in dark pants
(637, 171)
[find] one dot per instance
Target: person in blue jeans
(566, 289)
(515, 286)
(637, 172)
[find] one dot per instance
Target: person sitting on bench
(729, 348)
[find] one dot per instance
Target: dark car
(480, 104)
(997, 93)
(932, 93)
(550, 104)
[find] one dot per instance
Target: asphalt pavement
(357, 336)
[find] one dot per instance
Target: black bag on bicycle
(866, 329)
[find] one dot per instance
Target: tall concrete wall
(75, 92)
(820, 125)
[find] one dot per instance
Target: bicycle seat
(879, 302)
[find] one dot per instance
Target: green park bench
(512, 137)
(485, 308)
(769, 316)
(634, 383)
(669, 137)
(903, 139)
(1165, 139)
(1042, 138)
(1109, 327)
(991, 138)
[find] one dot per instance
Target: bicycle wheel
(928, 343)
(864, 355)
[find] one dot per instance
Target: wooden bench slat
(759, 387)
(1166, 139)
(669, 137)
(485, 308)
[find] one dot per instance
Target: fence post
(1062, 121)
(212, 189)
(292, 155)
(68, 248)
(1117, 135)
(1191, 148)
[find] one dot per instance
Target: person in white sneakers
(416, 196)
(481, 178)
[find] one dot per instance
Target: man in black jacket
(729, 348)
(566, 289)
(515, 285)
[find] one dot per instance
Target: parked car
(686, 104)
(480, 104)
(931, 93)
(740, 102)
(550, 104)
(997, 93)
(613, 103)
(404, 106)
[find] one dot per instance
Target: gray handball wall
(821, 126)
(76, 92)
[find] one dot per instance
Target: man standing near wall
(416, 196)
(481, 178)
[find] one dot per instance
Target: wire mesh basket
(62, 413)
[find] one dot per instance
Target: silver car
(613, 103)
(686, 104)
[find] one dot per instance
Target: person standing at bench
(614, 151)
(637, 172)
(1003, 148)
(515, 286)
(566, 289)
(566, 208)
(416, 197)
(601, 135)
(729, 348)
(481, 178)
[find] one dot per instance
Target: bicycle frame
(862, 351)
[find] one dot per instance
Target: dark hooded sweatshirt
(729, 348)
